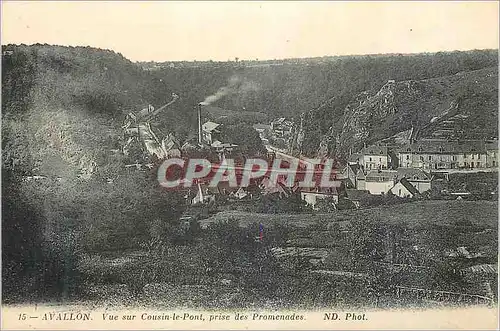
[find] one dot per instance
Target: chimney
(199, 123)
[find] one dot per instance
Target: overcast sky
(162, 31)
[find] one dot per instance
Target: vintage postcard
(249, 165)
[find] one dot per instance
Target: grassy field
(483, 213)
(226, 268)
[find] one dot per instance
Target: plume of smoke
(221, 92)
(235, 85)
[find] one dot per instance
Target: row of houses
(354, 185)
(402, 182)
(405, 171)
(430, 154)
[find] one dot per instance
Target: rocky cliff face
(462, 106)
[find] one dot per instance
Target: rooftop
(412, 173)
(436, 146)
(386, 175)
(375, 150)
(381, 175)
(260, 126)
(409, 186)
(210, 126)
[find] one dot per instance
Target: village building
(404, 189)
(312, 196)
(211, 132)
(361, 180)
(349, 175)
(171, 146)
(203, 195)
(223, 148)
(382, 181)
(208, 194)
(421, 180)
(263, 130)
(281, 127)
(279, 190)
(355, 158)
(375, 157)
(441, 154)
(491, 154)
(379, 182)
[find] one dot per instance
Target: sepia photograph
(249, 164)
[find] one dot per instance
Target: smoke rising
(235, 85)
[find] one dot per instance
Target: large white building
(375, 157)
(382, 181)
(441, 154)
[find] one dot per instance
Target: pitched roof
(221, 188)
(381, 175)
(412, 174)
(170, 142)
(278, 188)
(354, 157)
(355, 168)
(218, 144)
(437, 146)
(407, 185)
(322, 190)
(210, 126)
(375, 150)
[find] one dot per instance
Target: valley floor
(307, 261)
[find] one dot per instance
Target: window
(454, 158)
(407, 156)
(370, 159)
(472, 156)
(408, 149)
(441, 149)
(380, 160)
(478, 164)
(421, 158)
(420, 149)
(430, 157)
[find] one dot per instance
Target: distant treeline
(294, 87)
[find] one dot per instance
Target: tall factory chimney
(199, 123)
